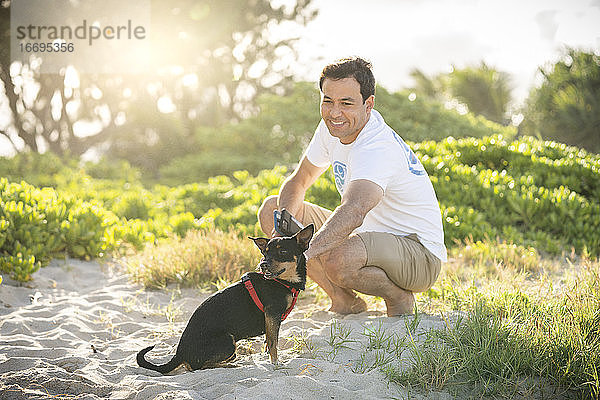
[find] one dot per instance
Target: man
(386, 237)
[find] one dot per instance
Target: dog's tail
(164, 368)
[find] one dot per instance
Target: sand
(74, 331)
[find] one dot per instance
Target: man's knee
(268, 206)
(265, 214)
(342, 263)
(335, 267)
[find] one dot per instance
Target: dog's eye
(283, 252)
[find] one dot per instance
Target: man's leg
(343, 300)
(308, 214)
(265, 215)
(345, 269)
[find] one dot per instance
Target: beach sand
(75, 329)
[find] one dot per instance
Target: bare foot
(403, 305)
(356, 305)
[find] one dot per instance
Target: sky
(514, 36)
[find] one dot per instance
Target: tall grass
(528, 324)
(198, 259)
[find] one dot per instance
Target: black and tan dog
(254, 306)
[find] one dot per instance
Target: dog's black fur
(230, 314)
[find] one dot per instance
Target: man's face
(343, 110)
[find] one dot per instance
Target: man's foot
(402, 305)
(354, 305)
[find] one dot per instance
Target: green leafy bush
(134, 204)
(421, 119)
(515, 187)
(526, 191)
(37, 224)
(37, 169)
(113, 170)
(274, 136)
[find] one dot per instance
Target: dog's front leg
(272, 324)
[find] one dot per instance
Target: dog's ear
(303, 237)
(261, 243)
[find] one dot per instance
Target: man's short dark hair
(356, 67)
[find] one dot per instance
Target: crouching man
(385, 238)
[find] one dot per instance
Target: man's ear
(261, 243)
(303, 237)
(370, 103)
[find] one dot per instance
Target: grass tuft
(523, 326)
(199, 259)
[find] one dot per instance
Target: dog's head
(283, 257)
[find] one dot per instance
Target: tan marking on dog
(290, 274)
(272, 336)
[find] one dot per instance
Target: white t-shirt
(378, 154)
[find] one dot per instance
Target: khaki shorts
(403, 258)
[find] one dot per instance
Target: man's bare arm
(293, 190)
(360, 197)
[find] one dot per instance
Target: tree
(566, 107)
(426, 86)
(29, 102)
(215, 57)
(483, 89)
(274, 136)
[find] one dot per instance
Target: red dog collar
(259, 304)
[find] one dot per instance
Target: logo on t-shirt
(339, 174)
(414, 165)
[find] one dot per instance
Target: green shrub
(424, 119)
(526, 191)
(37, 169)
(37, 224)
(112, 169)
(133, 205)
(514, 186)
(182, 223)
(86, 230)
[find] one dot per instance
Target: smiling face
(343, 109)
